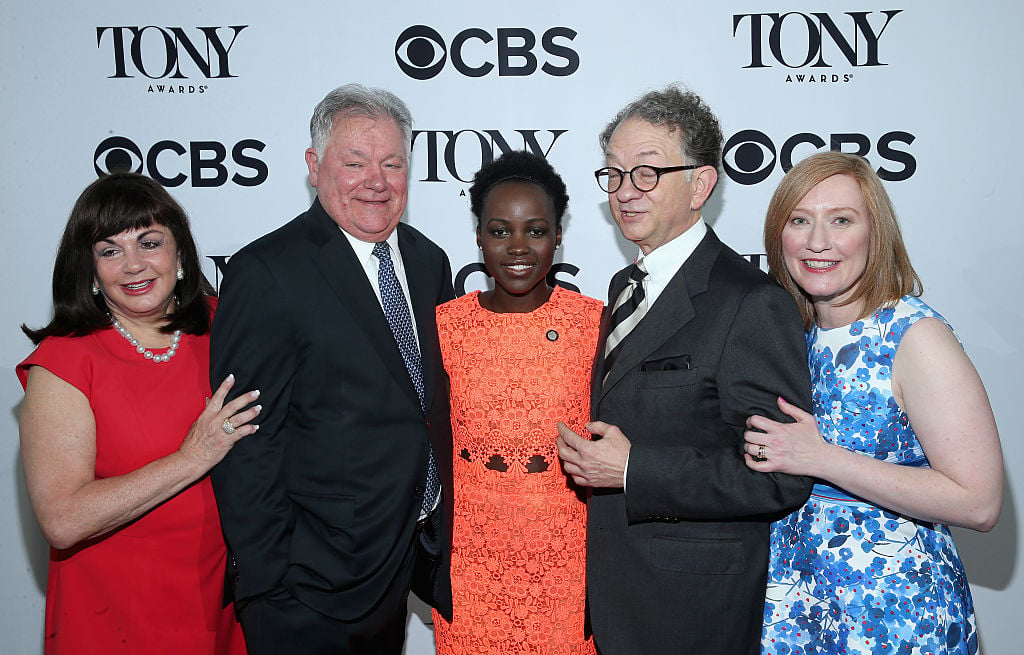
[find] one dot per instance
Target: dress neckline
(555, 291)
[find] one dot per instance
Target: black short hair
(518, 165)
(113, 204)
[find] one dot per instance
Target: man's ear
(704, 181)
(313, 164)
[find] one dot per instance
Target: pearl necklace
(142, 350)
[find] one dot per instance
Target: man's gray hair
(357, 100)
(681, 111)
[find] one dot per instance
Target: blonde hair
(889, 275)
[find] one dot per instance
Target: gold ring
(760, 452)
(230, 429)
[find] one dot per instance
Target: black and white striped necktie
(627, 311)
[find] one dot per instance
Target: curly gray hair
(682, 111)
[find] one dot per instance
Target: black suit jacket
(324, 499)
(678, 563)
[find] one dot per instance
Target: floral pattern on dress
(847, 576)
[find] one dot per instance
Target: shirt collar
(364, 249)
(664, 262)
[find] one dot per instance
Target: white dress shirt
(664, 262)
(364, 253)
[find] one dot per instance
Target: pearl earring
(95, 290)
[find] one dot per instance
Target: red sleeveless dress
(156, 585)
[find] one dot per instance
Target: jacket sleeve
(764, 356)
(252, 338)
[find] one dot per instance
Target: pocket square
(674, 363)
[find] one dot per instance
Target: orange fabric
(518, 561)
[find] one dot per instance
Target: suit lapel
(671, 311)
(346, 278)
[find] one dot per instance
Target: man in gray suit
(696, 340)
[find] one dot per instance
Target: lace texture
(518, 561)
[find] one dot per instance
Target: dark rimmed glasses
(643, 177)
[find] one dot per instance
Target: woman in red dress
(115, 457)
(519, 360)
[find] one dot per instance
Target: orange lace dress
(518, 561)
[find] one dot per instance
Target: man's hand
(598, 463)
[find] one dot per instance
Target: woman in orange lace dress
(519, 359)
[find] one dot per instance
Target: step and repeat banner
(214, 100)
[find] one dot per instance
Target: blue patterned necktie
(396, 310)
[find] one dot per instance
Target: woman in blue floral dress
(902, 441)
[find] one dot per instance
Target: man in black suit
(696, 340)
(332, 510)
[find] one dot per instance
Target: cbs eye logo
(201, 163)
(421, 52)
(749, 156)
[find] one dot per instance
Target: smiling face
(362, 176)
(652, 218)
(136, 273)
(825, 245)
(518, 234)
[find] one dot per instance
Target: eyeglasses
(643, 177)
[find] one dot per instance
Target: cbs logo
(749, 156)
(172, 164)
(421, 52)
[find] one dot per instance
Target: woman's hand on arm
(939, 389)
(794, 448)
(207, 442)
(58, 446)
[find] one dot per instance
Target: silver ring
(760, 449)
(230, 429)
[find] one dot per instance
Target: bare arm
(58, 448)
(939, 388)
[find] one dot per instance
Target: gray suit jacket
(678, 563)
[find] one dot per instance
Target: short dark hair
(111, 205)
(518, 165)
(680, 111)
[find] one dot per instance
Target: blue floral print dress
(847, 576)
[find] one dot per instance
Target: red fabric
(518, 559)
(156, 585)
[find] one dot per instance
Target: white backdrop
(215, 100)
